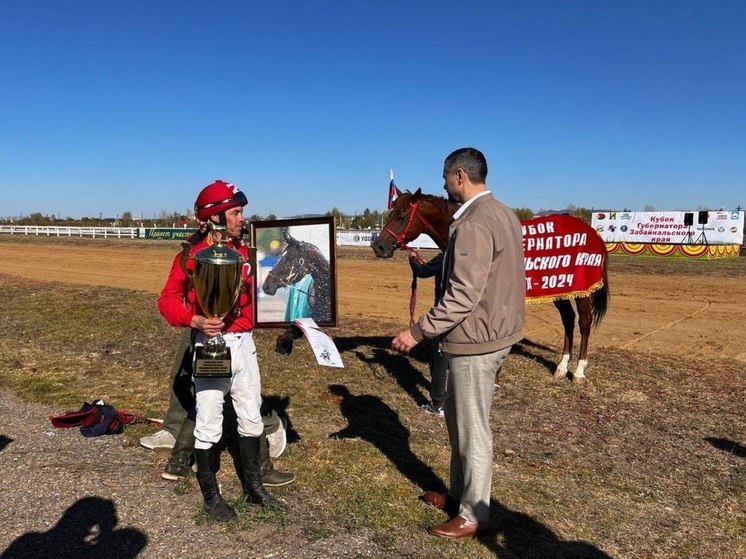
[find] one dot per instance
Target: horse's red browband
(400, 239)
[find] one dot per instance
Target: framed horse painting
(296, 271)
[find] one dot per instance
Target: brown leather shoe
(446, 503)
(458, 527)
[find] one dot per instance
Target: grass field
(645, 461)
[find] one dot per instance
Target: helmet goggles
(238, 199)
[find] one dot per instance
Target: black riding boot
(270, 476)
(253, 490)
(179, 464)
(215, 506)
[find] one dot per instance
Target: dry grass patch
(624, 466)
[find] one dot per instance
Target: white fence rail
(103, 232)
(344, 238)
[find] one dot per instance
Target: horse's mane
(446, 205)
(443, 204)
(304, 245)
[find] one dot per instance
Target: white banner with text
(694, 228)
(364, 238)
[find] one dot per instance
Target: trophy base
(208, 366)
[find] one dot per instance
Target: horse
(415, 214)
(298, 260)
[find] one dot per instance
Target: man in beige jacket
(478, 319)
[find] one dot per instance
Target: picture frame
(295, 271)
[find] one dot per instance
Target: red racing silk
(563, 257)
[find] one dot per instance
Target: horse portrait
(415, 213)
(306, 272)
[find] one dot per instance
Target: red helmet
(216, 198)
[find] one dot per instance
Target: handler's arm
(432, 267)
(473, 250)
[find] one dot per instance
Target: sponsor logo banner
(364, 238)
(563, 257)
(355, 238)
(670, 227)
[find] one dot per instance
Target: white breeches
(245, 389)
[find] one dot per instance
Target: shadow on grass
(512, 534)
(386, 361)
(726, 445)
(86, 529)
(370, 419)
(530, 350)
(522, 537)
(380, 344)
(354, 342)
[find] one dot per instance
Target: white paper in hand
(323, 346)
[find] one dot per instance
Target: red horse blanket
(564, 258)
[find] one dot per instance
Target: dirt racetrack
(651, 310)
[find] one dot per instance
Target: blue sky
(134, 106)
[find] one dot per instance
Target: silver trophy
(217, 281)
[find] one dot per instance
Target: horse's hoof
(578, 380)
(559, 374)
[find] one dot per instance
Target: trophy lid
(219, 255)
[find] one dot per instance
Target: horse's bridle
(400, 239)
(401, 243)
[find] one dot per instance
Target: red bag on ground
(94, 420)
(85, 417)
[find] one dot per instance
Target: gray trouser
(471, 386)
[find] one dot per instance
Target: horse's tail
(600, 297)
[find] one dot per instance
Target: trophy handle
(186, 248)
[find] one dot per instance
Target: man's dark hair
(471, 160)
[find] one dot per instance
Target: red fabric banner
(563, 257)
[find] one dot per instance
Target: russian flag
(392, 191)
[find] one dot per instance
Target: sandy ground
(695, 316)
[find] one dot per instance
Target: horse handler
(479, 318)
(222, 203)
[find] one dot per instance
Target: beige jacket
(483, 305)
